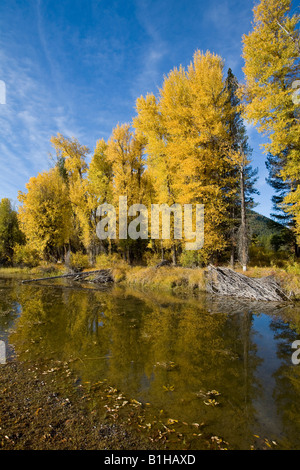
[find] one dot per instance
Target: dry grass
(170, 278)
(14, 270)
(288, 278)
(189, 279)
(42, 270)
(166, 278)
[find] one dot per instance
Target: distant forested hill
(270, 236)
(262, 226)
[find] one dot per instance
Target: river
(215, 363)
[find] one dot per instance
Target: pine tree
(243, 175)
(282, 189)
(271, 53)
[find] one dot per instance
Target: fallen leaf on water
(135, 401)
(172, 421)
(211, 402)
(168, 388)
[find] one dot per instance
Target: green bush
(79, 261)
(191, 259)
(259, 256)
(107, 261)
(293, 268)
(151, 259)
(24, 255)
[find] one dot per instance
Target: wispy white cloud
(27, 121)
(79, 72)
(149, 74)
(33, 111)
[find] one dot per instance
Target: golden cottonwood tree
(125, 151)
(156, 119)
(72, 158)
(154, 122)
(100, 175)
(208, 167)
(45, 213)
(271, 54)
(10, 233)
(99, 187)
(188, 141)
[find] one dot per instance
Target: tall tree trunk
(233, 238)
(232, 256)
(92, 254)
(128, 254)
(174, 258)
(162, 251)
(243, 239)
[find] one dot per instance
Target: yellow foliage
(45, 212)
(188, 141)
(271, 53)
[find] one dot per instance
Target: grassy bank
(288, 278)
(167, 278)
(178, 279)
(40, 271)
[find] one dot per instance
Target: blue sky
(77, 67)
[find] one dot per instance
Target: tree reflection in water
(170, 352)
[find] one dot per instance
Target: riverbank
(174, 279)
(189, 280)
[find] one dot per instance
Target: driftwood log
(225, 281)
(163, 263)
(102, 276)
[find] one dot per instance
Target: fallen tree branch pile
(101, 276)
(225, 281)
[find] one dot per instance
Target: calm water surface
(169, 352)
